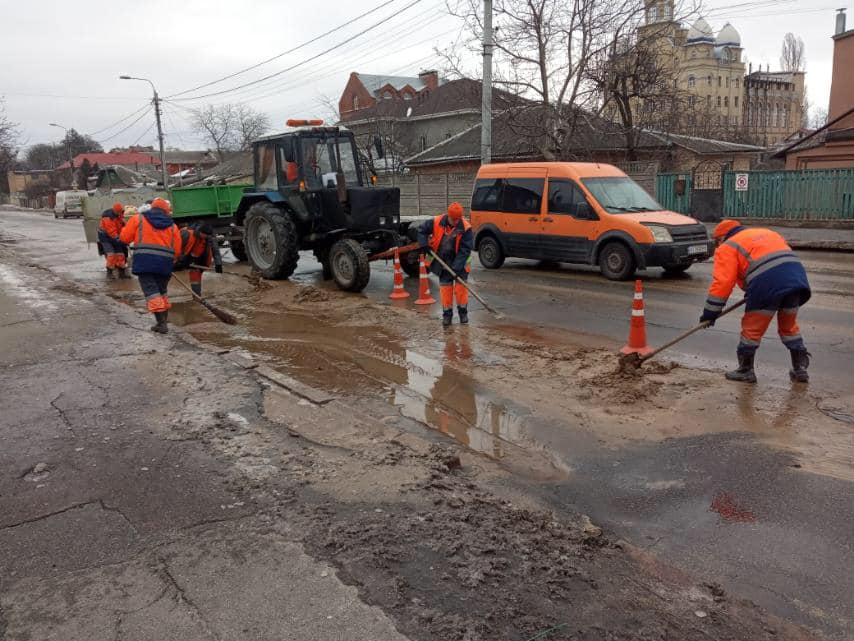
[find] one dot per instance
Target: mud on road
(463, 530)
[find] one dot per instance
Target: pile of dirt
(310, 294)
(453, 561)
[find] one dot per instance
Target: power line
(150, 127)
(284, 53)
(121, 131)
(121, 120)
(307, 60)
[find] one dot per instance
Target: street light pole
(67, 152)
(486, 87)
(156, 101)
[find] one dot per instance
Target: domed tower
(728, 44)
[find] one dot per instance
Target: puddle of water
(16, 286)
(370, 361)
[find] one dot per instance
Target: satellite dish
(408, 111)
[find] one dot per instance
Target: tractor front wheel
(271, 241)
(348, 261)
(238, 250)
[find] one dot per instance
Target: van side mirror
(584, 211)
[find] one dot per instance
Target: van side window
(564, 197)
(523, 195)
(487, 194)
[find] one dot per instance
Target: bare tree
(793, 53)
(8, 146)
(230, 127)
(545, 52)
(251, 125)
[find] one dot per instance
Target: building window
(708, 101)
(719, 101)
(726, 101)
(735, 101)
(736, 83)
(710, 81)
(423, 143)
(727, 81)
(653, 14)
(355, 102)
(691, 82)
(719, 81)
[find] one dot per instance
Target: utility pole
(156, 101)
(486, 104)
(67, 153)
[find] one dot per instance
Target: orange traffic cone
(637, 326)
(398, 291)
(424, 297)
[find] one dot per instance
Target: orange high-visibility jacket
(157, 244)
(760, 262)
(111, 224)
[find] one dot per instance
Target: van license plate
(697, 249)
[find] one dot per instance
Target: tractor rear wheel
(271, 241)
(348, 261)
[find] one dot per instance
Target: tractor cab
(316, 169)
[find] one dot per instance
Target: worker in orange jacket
(199, 248)
(156, 247)
(450, 237)
(762, 264)
(114, 250)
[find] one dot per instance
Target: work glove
(709, 317)
(218, 269)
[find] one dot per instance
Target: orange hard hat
(118, 208)
(724, 227)
(162, 203)
(455, 210)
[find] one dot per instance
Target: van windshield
(620, 195)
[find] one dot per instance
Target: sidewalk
(814, 238)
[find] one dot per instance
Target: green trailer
(208, 201)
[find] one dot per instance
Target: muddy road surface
(747, 489)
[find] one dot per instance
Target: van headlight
(660, 234)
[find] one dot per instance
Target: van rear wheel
(490, 253)
(616, 262)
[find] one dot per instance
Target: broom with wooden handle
(221, 314)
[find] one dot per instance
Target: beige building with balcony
(718, 98)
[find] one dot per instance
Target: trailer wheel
(271, 241)
(349, 263)
(238, 250)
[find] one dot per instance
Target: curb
(823, 245)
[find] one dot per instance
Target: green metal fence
(811, 194)
(673, 191)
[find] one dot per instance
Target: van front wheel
(490, 253)
(617, 262)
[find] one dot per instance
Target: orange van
(573, 212)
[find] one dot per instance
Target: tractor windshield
(320, 160)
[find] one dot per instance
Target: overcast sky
(60, 61)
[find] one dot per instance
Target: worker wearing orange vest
(451, 237)
(761, 263)
(156, 246)
(113, 249)
(199, 248)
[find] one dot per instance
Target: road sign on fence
(741, 182)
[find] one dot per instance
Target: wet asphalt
(721, 505)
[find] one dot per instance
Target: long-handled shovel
(221, 314)
(498, 315)
(636, 360)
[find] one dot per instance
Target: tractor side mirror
(378, 145)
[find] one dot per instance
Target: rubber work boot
(161, 327)
(464, 315)
(123, 273)
(800, 363)
(111, 273)
(447, 317)
(744, 373)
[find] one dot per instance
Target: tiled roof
(515, 137)
(131, 158)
